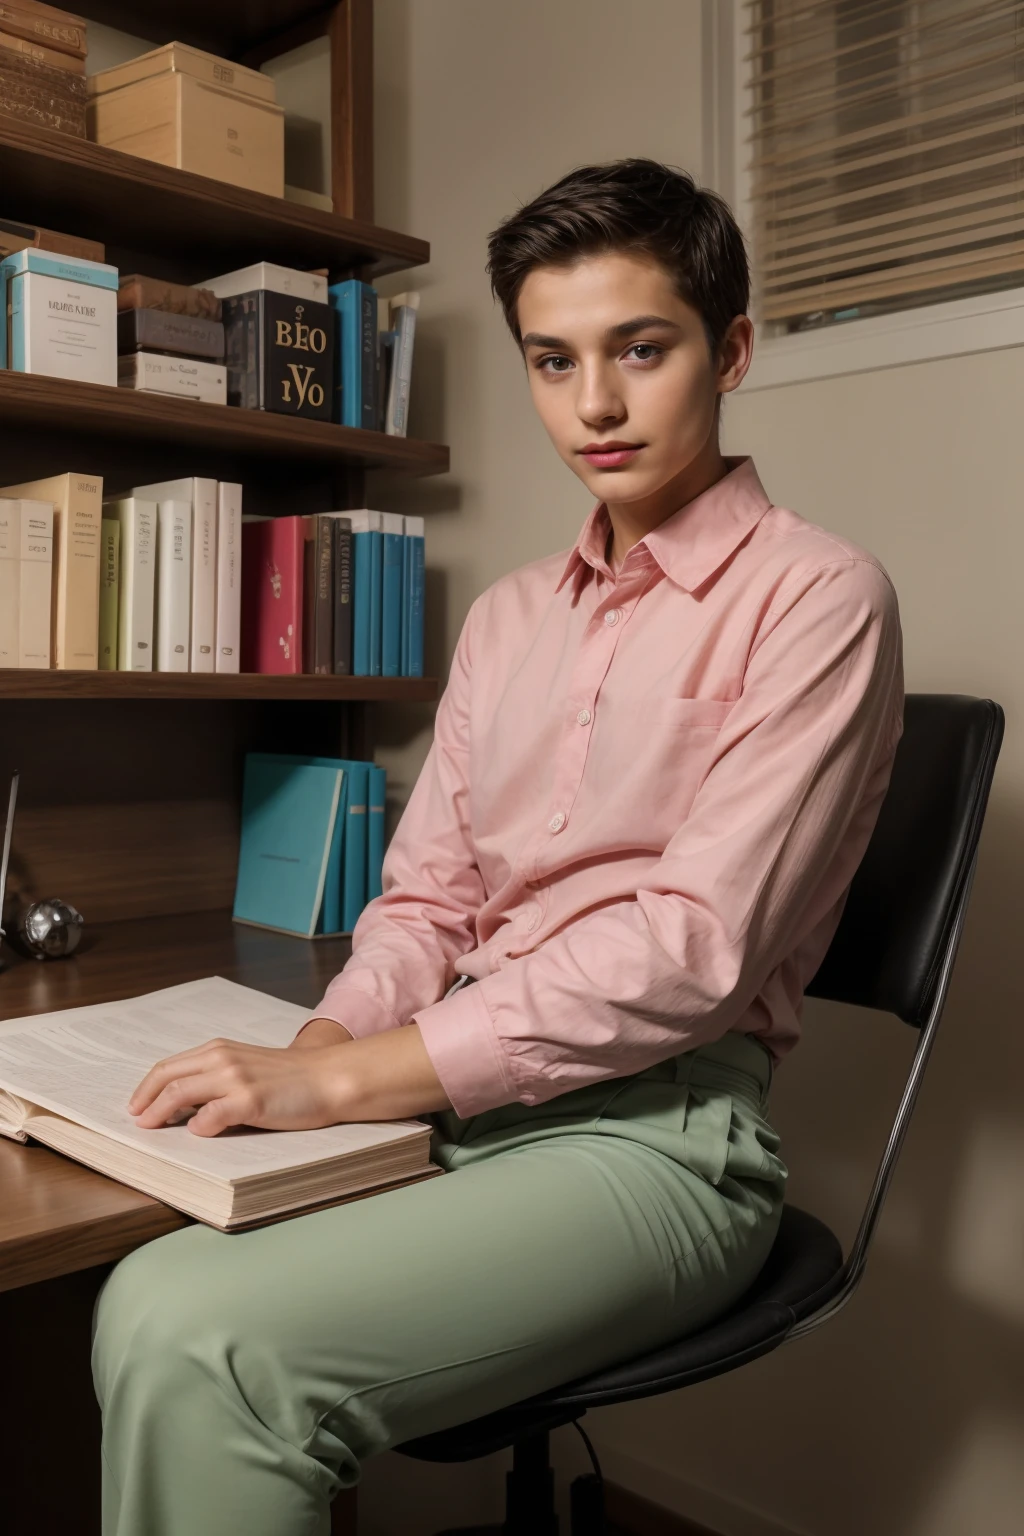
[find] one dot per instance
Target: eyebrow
(618, 332)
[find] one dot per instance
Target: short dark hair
(636, 206)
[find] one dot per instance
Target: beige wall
(905, 1417)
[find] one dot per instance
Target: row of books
(265, 337)
(338, 592)
(312, 843)
(170, 577)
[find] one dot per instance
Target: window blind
(886, 153)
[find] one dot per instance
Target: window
(878, 171)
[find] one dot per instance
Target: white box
(157, 374)
(269, 276)
(64, 329)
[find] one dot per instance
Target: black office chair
(893, 950)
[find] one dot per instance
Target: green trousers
(245, 1377)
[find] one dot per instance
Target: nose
(599, 402)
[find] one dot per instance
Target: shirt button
(583, 717)
(612, 616)
(557, 821)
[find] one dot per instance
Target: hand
(321, 1032)
(236, 1084)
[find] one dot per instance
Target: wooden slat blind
(886, 153)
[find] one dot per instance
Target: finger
(181, 1064)
(182, 1093)
(220, 1114)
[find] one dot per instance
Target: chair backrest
(892, 939)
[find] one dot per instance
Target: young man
(656, 767)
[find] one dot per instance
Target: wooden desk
(61, 1225)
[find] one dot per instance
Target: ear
(735, 354)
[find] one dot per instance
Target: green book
(110, 586)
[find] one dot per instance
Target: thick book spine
(297, 356)
(272, 561)
(173, 583)
(57, 30)
(155, 330)
(346, 302)
(342, 596)
(414, 605)
(42, 54)
(375, 817)
(36, 578)
(354, 880)
(110, 531)
(229, 577)
(202, 630)
(368, 355)
(138, 519)
(362, 562)
(185, 376)
(138, 292)
(78, 576)
(323, 598)
(10, 579)
(401, 369)
(392, 541)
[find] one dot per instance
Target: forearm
(380, 1077)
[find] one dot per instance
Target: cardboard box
(187, 61)
(176, 119)
(62, 328)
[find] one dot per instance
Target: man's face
(615, 357)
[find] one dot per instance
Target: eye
(542, 363)
(650, 350)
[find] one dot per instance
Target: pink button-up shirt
(647, 794)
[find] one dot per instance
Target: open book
(66, 1078)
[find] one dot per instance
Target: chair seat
(801, 1273)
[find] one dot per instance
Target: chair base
(530, 1499)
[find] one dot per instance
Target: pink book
(272, 559)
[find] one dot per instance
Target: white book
(229, 577)
(403, 312)
(62, 328)
(26, 575)
(173, 582)
(187, 376)
(10, 580)
(137, 604)
(268, 275)
(36, 587)
(65, 1080)
(201, 494)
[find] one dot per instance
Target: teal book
(413, 595)
(330, 919)
(289, 811)
(367, 566)
(375, 831)
(355, 353)
(393, 541)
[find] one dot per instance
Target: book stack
(373, 349)
(312, 843)
(280, 339)
(60, 316)
(180, 106)
(42, 66)
(16, 236)
(170, 340)
(333, 592)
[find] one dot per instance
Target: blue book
(391, 593)
(355, 305)
(330, 919)
(375, 832)
(367, 569)
(354, 882)
(415, 560)
(289, 811)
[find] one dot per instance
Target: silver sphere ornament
(50, 928)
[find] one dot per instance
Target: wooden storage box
(179, 120)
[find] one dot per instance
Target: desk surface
(55, 1215)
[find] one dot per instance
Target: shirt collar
(692, 543)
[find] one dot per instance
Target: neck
(633, 520)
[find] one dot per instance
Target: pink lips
(609, 458)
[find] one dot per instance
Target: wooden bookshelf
(30, 683)
(134, 418)
(230, 27)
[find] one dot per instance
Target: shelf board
(32, 683)
(205, 226)
(52, 405)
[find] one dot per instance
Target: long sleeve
(407, 940)
(779, 822)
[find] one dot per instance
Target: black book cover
(154, 330)
(280, 354)
(342, 596)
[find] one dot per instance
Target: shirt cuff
(355, 1010)
(465, 1053)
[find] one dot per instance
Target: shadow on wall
(886, 1416)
